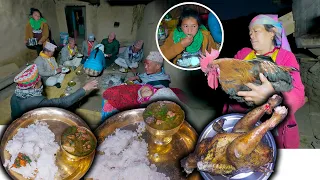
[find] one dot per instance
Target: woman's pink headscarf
(281, 38)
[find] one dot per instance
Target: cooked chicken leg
(248, 121)
(232, 153)
(241, 148)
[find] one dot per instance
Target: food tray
(58, 120)
(231, 120)
(169, 156)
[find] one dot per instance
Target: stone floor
(309, 127)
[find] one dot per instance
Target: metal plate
(168, 159)
(231, 120)
(65, 70)
(79, 55)
(58, 120)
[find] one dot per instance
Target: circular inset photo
(187, 31)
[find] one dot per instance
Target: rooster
(234, 74)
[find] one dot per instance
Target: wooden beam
(288, 23)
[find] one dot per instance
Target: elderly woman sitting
(154, 73)
(28, 93)
(69, 54)
(48, 67)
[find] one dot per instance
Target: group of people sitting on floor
(94, 56)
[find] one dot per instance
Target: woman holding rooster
(268, 38)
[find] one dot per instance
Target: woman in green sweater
(37, 31)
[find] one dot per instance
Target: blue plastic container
(64, 38)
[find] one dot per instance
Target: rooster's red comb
(205, 60)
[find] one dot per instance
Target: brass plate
(169, 156)
(58, 120)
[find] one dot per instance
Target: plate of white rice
(30, 146)
(125, 151)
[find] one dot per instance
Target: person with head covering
(154, 73)
(37, 31)
(111, 47)
(268, 39)
(28, 93)
(69, 54)
(95, 63)
(88, 45)
(188, 40)
(131, 57)
(49, 70)
(215, 28)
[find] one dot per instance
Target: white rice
(125, 157)
(141, 128)
(38, 142)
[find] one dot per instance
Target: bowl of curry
(78, 142)
(163, 119)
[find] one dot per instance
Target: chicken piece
(209, 148)
(247, 122)
(70, 147)
(218, 126)
(170, 114)
(240, 149)
(234, 74)
(213, 151)
(236, 152)
(71, 137)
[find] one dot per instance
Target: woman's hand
(258, 94)
(185, 42)
(91, 85)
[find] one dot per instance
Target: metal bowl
(72, 157)
(79, 72)
(163, 137)
(231, 120)
(71, 83)
(129, 82)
